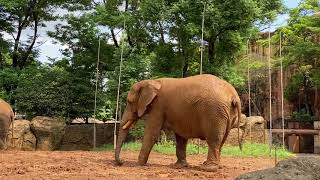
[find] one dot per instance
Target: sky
(48, 48)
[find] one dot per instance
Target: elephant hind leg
(3, 143)
(215, 142)
(181, 151)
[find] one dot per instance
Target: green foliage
(301, 48)
(138, 130)
(43, 91)
(249, 149)
(292, 90)
(303, 116)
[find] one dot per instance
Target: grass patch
(249, 149)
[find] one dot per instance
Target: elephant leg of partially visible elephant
(3, 143)
(151, 132)
(181, 152)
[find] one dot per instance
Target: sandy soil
(100, 165)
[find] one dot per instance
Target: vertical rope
(249, 87)
(95, 98)
(202, 29)
(281, 85)
(118, 93)
(270, 95)
(201, 54)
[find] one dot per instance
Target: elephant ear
(148, 92)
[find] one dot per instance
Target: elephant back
(6, 111)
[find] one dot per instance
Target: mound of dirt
(304, 168)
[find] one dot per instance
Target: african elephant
(201, 106)
(6, 118)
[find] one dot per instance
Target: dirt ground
(100, 165)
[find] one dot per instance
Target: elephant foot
(180, 164)
(118, 162)
(209, 166)
(142, 163)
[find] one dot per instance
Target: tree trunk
(211, 50)
(35, 32)
(114, 38)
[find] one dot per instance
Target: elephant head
(141, 95)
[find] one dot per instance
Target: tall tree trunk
(1, 61)
(35, 36)
(211, 50)
(16, 46)
(114, 38)
(161, 33)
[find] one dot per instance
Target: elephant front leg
(151, 133)
(181, 148)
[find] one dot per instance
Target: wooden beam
(298, 131)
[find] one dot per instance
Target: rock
(48, 131)
(90, 120)
(258, 133)
(302, 168)
(22, 137)
(80, 136)
(233, 137)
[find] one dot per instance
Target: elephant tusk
(126, 125)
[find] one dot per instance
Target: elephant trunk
(121, 138)
(128, 120)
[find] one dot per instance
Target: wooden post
(316, 138)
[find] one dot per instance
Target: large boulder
(22, 138)
(302, 168)
(253, 127)
(48, 131)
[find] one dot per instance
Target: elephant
(6, 118)
(201, 106)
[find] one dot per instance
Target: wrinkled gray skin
(6, 118)
(201, 106)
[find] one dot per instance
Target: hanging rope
(249, 87)
(270, 95)
(281, 86)
(118, 93)
(95, 98)
(201, 53)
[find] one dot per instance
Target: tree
(302, 49)
(19, 15)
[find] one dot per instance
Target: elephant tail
(237, 104)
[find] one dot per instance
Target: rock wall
(48, 134)
(80, 137)
(260, 96)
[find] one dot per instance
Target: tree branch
(114, 38)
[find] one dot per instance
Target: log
(297, 131)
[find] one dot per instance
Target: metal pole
(118, 94)
(281, 84)
(270, 95)
(95, 98)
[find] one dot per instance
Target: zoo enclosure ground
(100, 165)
